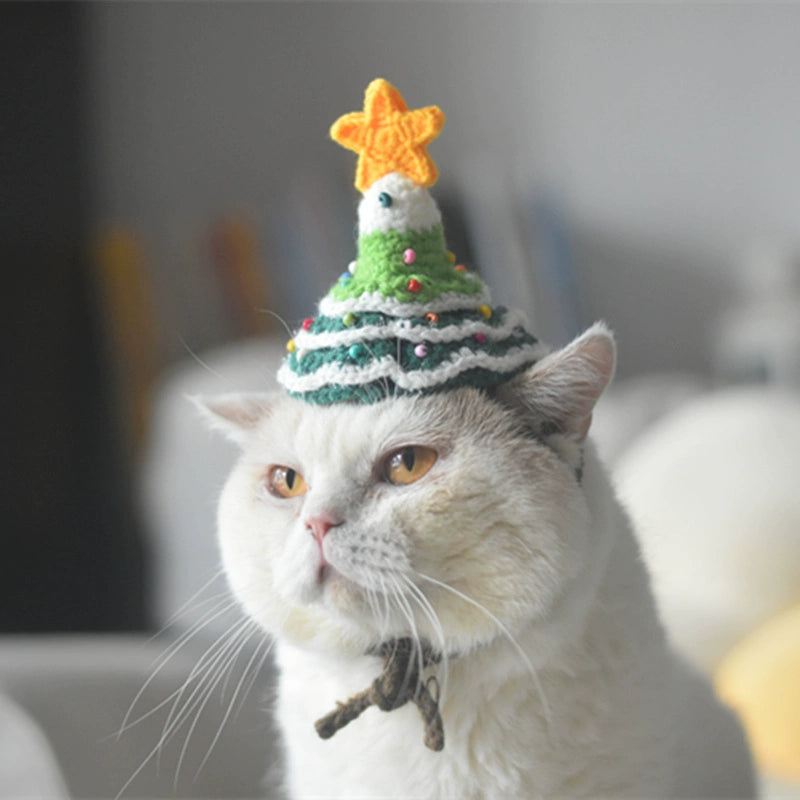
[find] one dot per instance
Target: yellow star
(388, 137)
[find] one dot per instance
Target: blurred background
(168, 179)
(170, 201)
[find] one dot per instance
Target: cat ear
(235, 415)
(559, 392)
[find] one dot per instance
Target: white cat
(482, 525)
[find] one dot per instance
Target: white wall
(668, 134)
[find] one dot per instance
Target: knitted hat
(404, 318)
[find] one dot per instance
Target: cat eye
(285, 482)
(408, 464)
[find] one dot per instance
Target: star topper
(388, 137)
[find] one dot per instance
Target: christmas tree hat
(405, 318)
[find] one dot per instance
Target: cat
(481, 525)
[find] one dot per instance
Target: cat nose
(320, 525)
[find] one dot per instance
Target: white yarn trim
(412, 208)
(387, 367)
(376, 302)
(403, 329)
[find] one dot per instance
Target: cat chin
(340, 594)
(333, 601)
(311, 630)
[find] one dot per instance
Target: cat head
(456, 517)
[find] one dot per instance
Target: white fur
(557, 682)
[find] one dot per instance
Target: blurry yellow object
(760, 679)
(243, 285)
(127, 300)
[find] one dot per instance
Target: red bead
(414, 286)
(307, 323)
(460, 268)
(480, 338)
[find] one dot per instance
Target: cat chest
(383, 753)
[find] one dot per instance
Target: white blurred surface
(28, 768)
(713, 492)
(78, 691)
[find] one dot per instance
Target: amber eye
(285, 482)
(408, 464)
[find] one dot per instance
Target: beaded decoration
(404, 317)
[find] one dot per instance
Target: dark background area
(72, 556)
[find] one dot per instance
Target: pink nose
(319, 526)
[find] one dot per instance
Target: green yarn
(436, 355)
(381, 268)
(384, 389)
(308, 363)
(364, 319)
(377, 250)
(364, 345)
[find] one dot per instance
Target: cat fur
(557, 680)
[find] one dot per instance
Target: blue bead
(385, 199)
(356, 351)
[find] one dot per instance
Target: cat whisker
(436, 625)
(380, 616)
(201, 363)
(387, 384)
(244, 636)
(408, 613)
(241, 691)
(127, 723)
(506, 633)
(210, 667)
(245, 683)
(209, 670)
(221, 605)
(383, 617)
(169, 727)
(192, 603)
(281, 320)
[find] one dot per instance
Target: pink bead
(420, 351)
(480, 338)
(410, 256)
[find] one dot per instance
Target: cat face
(451, 517)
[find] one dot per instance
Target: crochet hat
(405, 317)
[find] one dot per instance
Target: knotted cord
(399, 681)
